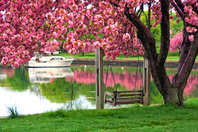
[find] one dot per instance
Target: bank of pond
(36, 90)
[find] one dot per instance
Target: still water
(37, 90)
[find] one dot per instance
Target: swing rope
(106, 77)
(138, 66)
(112, 75)
(141, 75)
(136, 75)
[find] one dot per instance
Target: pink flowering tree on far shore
(33, 26)
(176, 42)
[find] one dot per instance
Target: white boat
(49, 61)
(45, 75)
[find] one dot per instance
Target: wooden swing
(123, 97)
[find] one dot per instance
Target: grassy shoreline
(137, 118)
(170, 57)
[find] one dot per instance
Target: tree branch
(187, 59)
(149, 44)
(165, 32)
(116, 4)
(180, 12)
(180, 4)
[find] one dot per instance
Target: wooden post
(146, 69)
(99, 53)
(146, 82)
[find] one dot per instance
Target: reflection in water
(52, 88)
(192, 82)
(80, 103)
(44, 75)
(128, 80)
(8, 71)
(19, 81)
(25, 102)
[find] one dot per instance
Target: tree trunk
(188, 55)
(171, 92)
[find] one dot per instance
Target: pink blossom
(191, 29)
(126, 36)
(49, 15)
(178, 20)
(96, 45)
(176, 42)
(72, 51)
(171, 16)
(74, 7)
(191, 37)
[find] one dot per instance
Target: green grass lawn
(162, 118)
(171, 56)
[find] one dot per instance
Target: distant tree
(176, 42)
(176, 26)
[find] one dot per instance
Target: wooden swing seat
(124, 97)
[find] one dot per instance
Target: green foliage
(174, 26)
(156, 31)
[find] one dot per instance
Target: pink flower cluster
(176, 42)
(191, 19)
(52, 45)
(156, 13)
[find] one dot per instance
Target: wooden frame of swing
(124, 97)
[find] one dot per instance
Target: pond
(37, 90)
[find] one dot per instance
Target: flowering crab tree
(42, 25)
(176, 42)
